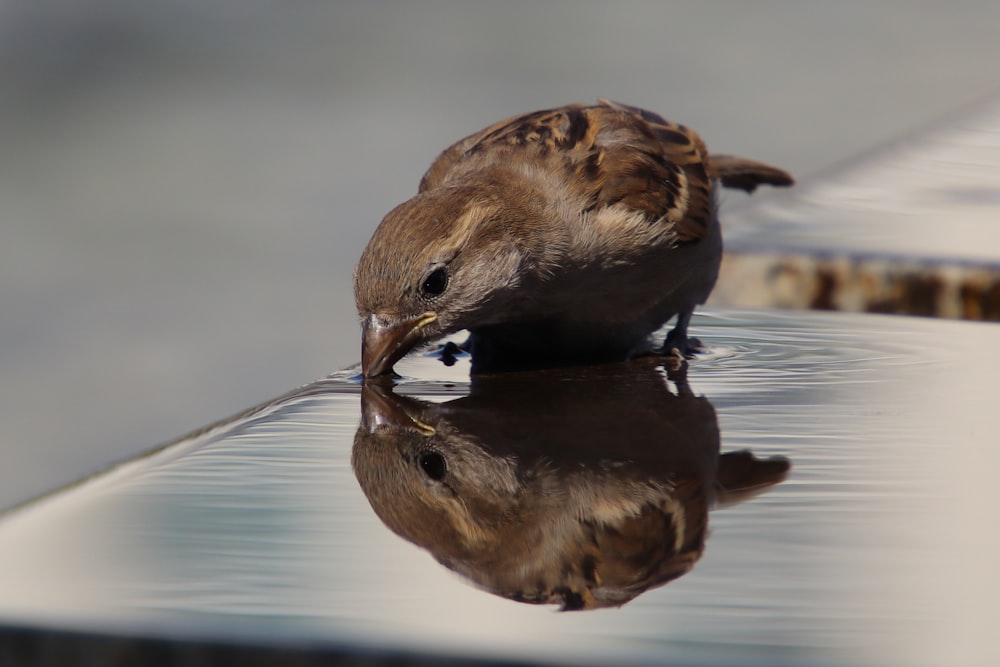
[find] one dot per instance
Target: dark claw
(685, 346)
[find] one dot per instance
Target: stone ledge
(901, 286)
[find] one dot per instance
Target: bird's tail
(737, 172)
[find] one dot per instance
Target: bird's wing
(608, 154)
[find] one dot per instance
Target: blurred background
(185, 185)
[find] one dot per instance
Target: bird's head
(446, 260)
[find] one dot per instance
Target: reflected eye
(433, 465)
(435, 282)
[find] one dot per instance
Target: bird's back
(604, 155)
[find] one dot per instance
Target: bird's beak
(383, 344)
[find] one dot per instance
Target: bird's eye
(433, 465)
(435, 282)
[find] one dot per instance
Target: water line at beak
(384, 343)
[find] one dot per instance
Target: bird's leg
(678, 339)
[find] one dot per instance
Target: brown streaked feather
(608, 154)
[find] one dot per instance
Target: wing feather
(610, 154)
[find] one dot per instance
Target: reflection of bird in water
(583, 488)
(560, 236)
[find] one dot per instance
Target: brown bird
(555, 237)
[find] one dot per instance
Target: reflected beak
(380, 407)
(382, 344)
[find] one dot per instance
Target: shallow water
(878, 548)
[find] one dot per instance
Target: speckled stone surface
(913, 229)
(865, 284)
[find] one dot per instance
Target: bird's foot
(674, 360)
(676, 366)
(449, 352)
(679, 343)
(671, 359)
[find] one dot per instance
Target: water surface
(878, 548)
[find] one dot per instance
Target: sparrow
(556, 237)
